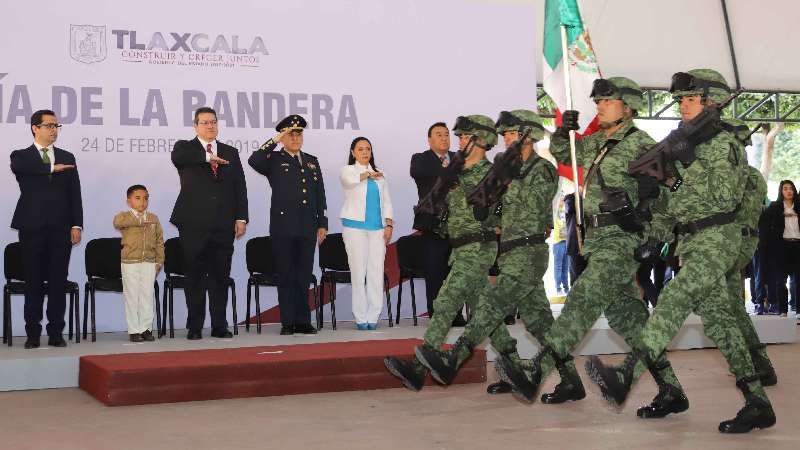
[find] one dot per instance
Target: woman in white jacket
(366, 230)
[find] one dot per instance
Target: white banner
(125, 78)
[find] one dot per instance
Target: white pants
(137, 291)
(365, 254)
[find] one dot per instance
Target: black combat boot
(669, 399)
(614, 382)
(570, 387)
(443, 365)
(410, 372)
(501, 387)
(766, 373)
(523, 387)
(756, 413)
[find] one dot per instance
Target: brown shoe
(136, 337)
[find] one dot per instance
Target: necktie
(214, 164)
(444, 161)
(46, 160)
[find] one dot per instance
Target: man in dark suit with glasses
(49, 218)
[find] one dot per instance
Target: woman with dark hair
(783, 243)
(366, 230)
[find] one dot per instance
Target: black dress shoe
(148, 336)
(56, 341)
(32, 342)
(305, 328)
(135, 337)
(459, 321)
(501, 387)
(287, 330)
(221, 333)
(194, 335)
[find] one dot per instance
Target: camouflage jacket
(528, 202)
(460, 219)
(712, 184)
(614, 169)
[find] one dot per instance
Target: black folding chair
(262, 273)
(104, 274)
(15, 285)
(409, 258)
(175, 278)
(335, 269)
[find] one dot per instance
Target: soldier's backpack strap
(610, 144)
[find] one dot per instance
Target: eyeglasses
(50, 126)
(204, 123)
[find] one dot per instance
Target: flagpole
(572, 153)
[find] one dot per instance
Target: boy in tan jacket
(142, 258)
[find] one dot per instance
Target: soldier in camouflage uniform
(474, 246)
(709, 237)
(612, 234)
(747, 217)
(527, 216)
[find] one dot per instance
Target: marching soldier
(711, 164)
(297, 220)
(527, 215)
(473, 241)
(613, 232)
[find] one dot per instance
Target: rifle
(659, 161)
(432, 209)
(487, 194)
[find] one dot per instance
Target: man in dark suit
(297, 218)
(425, 169)
(49, 217)
(210, 211)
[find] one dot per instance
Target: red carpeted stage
(163, 377)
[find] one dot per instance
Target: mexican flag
(582, 61)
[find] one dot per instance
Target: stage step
(166, 377)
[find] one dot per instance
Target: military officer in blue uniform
(297, 220)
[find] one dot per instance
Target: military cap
(290, 123)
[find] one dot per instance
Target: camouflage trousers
(467, 279)
(604, 287)
(738, 310)
(519, 288)
(701, 287)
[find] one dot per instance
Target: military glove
(647, 187)
(680, 148)
(569, 121)
(651, 251)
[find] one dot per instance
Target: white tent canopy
(649, 40)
